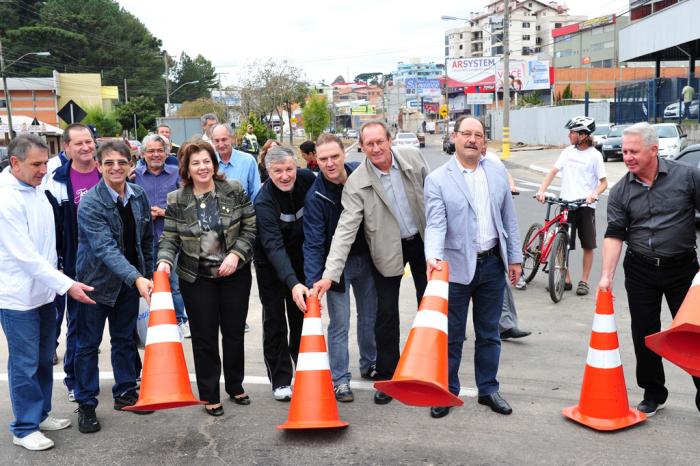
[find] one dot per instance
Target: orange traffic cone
(680, 343)
(603, 403)
(420, 378)
(165, 381)
(313, 403)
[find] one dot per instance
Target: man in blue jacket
(65, 188)
(115, 254)
(321, 213)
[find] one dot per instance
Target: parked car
(671, 111)
(691, 156)
(600, 134)
(448, 146)
(406, 139)
(672, 139)
(612, 146)
(351, 133)
(4, 158)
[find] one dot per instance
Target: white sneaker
(522, 284)
(71, 396)
(34, 441)
(283, 393)
(184, 329)
(54, 423)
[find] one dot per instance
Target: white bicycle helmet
(581, 123)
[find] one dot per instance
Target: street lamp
(168, 94)
(3, 69)
(505, 148)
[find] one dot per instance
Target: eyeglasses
(155, 151)
(111, 163)
(468, 134)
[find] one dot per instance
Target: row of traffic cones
(421, 375)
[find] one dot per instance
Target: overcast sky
(324, 38)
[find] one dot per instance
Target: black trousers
(213, 304)
(386, 328)
(282, 322)
(646, 285)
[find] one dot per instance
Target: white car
(601, 132)
(672, 140)
(406, 139)
(351, 133)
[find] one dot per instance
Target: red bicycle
(548, 245)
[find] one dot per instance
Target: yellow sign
(293, 120)
(443, 111)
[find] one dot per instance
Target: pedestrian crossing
(525, 186)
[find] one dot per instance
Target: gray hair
(375, 123)
(208, 116)
(278, 154)
(216, 126)
(22, 144)
(645, 131)
(153, 138)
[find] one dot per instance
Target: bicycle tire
(531, 256)
(558, 264)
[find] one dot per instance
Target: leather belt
(494, 251)
(411, 238)
(662, 261)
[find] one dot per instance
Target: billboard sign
(479, 98)
(527, 75)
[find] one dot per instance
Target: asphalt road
(539, 376)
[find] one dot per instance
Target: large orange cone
(603, 404)
(165, 381)
(313, 403)
(680, 343)
(420, 378)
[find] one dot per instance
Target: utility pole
(167, 83)
(126, 93)
(505, 150)
(8, 106)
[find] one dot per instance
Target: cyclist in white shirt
(582, 177)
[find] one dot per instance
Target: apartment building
(592, 43)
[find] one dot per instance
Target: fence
(545, 125)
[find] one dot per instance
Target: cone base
(414, 392)
(680, 345)
(155, 405)
(633, 417)
(291, 425)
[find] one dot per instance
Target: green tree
(188, 70)
(566, 93)
(316, 116)
(144, 108)
(105, 123)
(198, 107)
(61, 44)
(260, 129)
(531, 99)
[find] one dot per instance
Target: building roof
(31, 84)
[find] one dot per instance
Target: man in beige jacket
(384, 195)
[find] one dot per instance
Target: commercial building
(531, 24)
(592, 43)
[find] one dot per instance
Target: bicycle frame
(562, 218)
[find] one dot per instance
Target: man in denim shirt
(115, 255)
(158, 178)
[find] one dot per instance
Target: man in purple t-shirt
(66, 187)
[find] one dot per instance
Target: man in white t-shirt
(582, 177)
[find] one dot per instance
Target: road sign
(293, 120)
(443, 111)
(71, 113)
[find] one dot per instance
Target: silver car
(672, 139)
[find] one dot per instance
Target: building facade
(531, 25)
(592, 43)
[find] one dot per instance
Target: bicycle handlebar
(551, 199)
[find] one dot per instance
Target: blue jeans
(178, 302)
(122, 325)
(30, 341)
(486, 292)
(71, 313)
(358, 273)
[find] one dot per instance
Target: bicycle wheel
(558, 265)
(531, 254)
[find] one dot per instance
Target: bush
(105, 122)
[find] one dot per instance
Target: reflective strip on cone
(604, 323)
(166, 333)
(313, 362)
(161, 301)
(603, 359)
(312, 326)
(437, 288)
(431, 319)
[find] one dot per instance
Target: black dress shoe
(216, 412)
(496, 403)
(381, 398)
(241, 400)
(439, 411)
(514, 332)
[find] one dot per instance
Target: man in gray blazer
(385, 194)
(471, 224)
